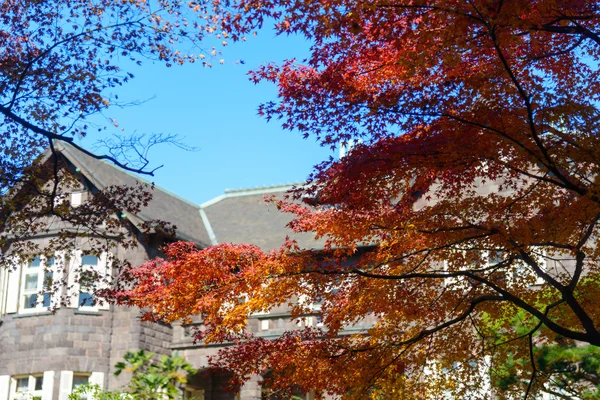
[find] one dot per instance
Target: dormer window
(76, 199)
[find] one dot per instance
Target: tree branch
(53, 136)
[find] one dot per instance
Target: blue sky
(216, 110)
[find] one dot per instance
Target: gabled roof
(238, 216)
(242, 216)
(163, 206)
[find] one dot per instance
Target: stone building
(46, 355)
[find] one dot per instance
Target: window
(26, 387)
(264, 324)
(22, 385)
(87, 273)
(80, 380)
(310, 320)
(76, 199)
(88, 276)
(37, 277)
(319, 320)
(39, 383)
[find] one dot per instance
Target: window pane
(79, 380)
(30, 300)
(47, 299)
(89, 260)
(48, 279)
(50, 261)
(39, 382)
(22, 384)
(34, 263)
(31, 281)
(86, 299)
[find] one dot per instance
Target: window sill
(32, 314)
(88, 312)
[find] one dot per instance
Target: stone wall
(70, 340)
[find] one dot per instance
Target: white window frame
(103, 268)
(25, 293)
(4, 292)
(30, 393)
(67, 382)
(92, 269)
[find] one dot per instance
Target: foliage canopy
(474, 194)
(61, 66)
(473, 198)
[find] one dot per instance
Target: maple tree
(471, 201)
(61, 66)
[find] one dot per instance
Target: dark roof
(238, 216)
(242, 216)
(163, 206)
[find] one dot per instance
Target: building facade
(45, 355)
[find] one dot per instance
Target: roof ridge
(141, 179)
(250, 192)
(280, 185)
